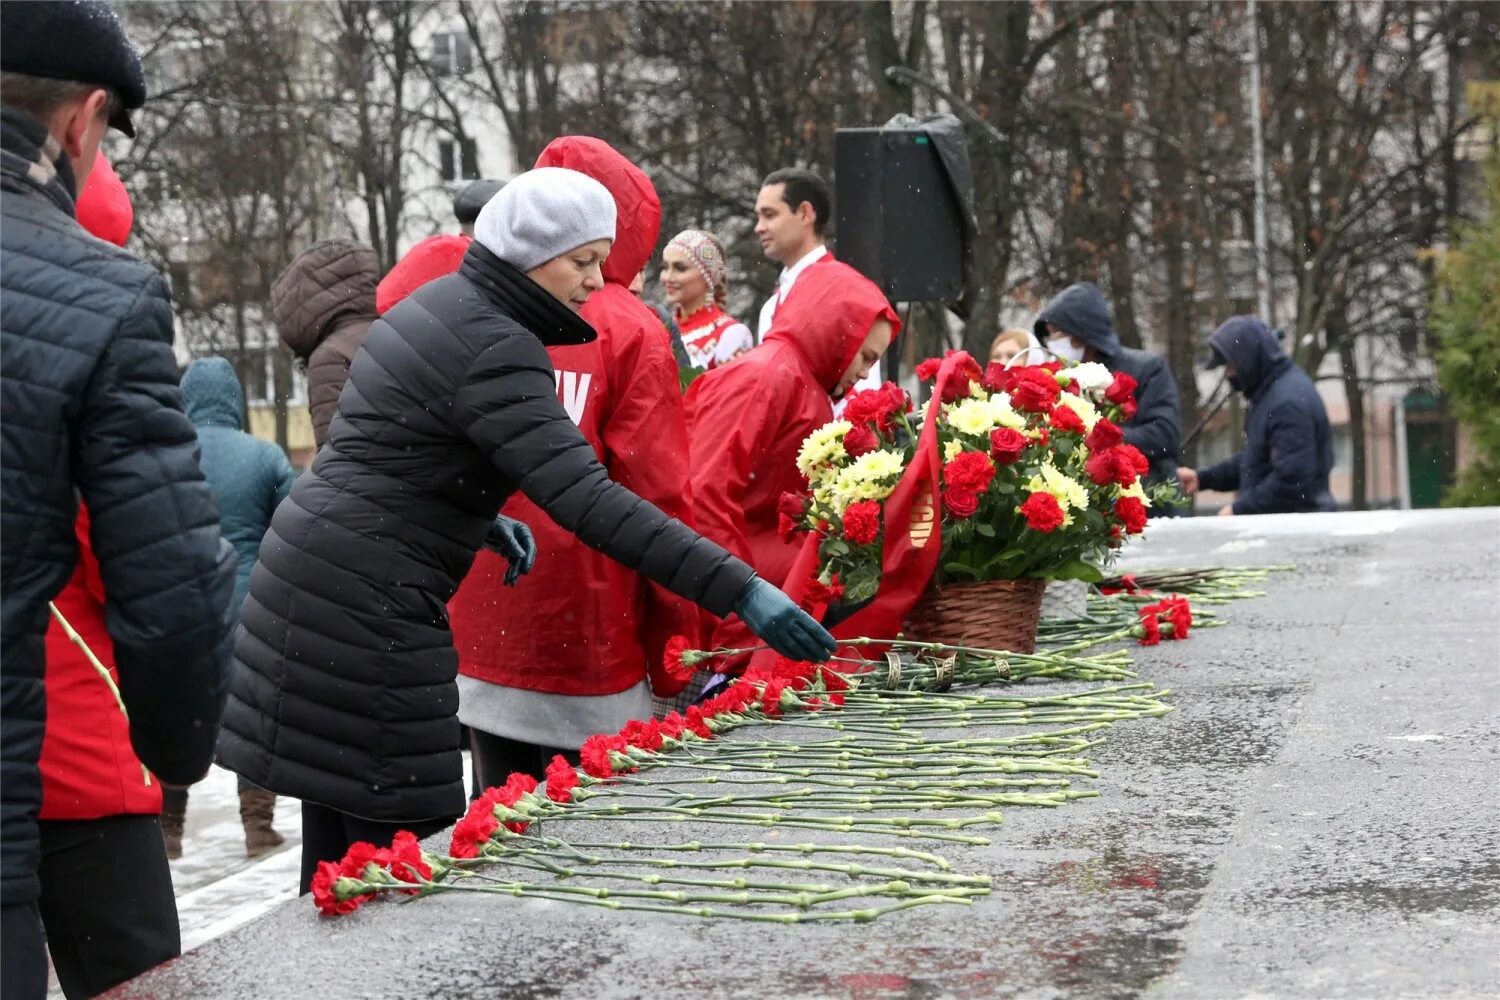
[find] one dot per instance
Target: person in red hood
(107, 902)
(431, 258)
(748, 420)
(567, 654)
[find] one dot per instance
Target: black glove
(512, 539)
(782, 625)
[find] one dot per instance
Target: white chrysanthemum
(1138, 491)
(952, 450)
(872, 477)
(1086, 410)
(1091, 376)
(1068, 492)
(823, 447)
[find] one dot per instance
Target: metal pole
(1258, 164)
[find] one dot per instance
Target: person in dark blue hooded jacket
(1288, 453)
(248, 477)
(1075, 326)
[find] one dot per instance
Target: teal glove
(512, 539)
(782, 625)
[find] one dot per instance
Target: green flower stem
(826, 825)
(758, 847)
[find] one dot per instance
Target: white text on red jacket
(573, 390)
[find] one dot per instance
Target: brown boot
(257, 809)
(173, 816)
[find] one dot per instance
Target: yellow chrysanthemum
(1068, 492)
(952, 450)
(824, 447)
(978, 415)
(1138, 491)
(872, 477)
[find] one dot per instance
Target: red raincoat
(430, 259)
(582, 624)
(748, 419)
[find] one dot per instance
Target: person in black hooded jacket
(344, 691)
(1288, 453)
(1075, 326)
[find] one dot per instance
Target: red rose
(562, 778)
(961, 503)
(927, 370)
(969, 471)
(1121, 390)
(1033, 389)
(1065, 418)
(996, 377)
(1052, 367)
(967, 365)
(786, 527)
(860, 441)
(1042, 512)
(862, 522)
(1104, 436)
(1132, 513)
(793, 505)
(1127, 410)
(1006, 445)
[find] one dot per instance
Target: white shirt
(784, 285)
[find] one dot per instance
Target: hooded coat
(1156, 428)
(323, 304)
(581, 624)
(249, 476)
(344, 690)
(1288, 452)
(747, 419)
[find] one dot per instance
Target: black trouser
(497, 757)
(23, 953)
(327, 835)
(107, 901)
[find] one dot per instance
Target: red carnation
(1150, 630)
(1104, 436)
(927, 370)
(819, 593)
(696, 724)
(1121, 464)
(1121, 390)
(770, 697)
(1033, 389)
(862, 522)
(860, 441)
(970, 471)
(1006, 445)
(642, 735)
(672, 725)
(1042, 512)
(323, 895)
(1132, 513)
(406, 860)
(595, 755)
(996, 376)
(672, 660)
(1065, 418)
(562, 778)
(961, 503)
(517, 785)
(361, 855)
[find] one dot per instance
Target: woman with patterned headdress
(694, 277)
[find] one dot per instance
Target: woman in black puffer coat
(344, 689)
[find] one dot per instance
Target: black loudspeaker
(898, 220)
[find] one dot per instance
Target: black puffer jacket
(90, 406)
(344, 689)
(1156, 428)
(1288, 452)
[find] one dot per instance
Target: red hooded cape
(748, 419)
(432, 258)
(89, 769)
(582, 624)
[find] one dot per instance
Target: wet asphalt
(1317, 819)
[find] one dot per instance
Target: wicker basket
(996, 614)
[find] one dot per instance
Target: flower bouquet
(1033, 482)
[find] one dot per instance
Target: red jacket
(582, 624)
(430, 259)
(748, 419)
(88, 768)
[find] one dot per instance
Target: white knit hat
(543, 214)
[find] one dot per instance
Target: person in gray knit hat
(344, 692)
